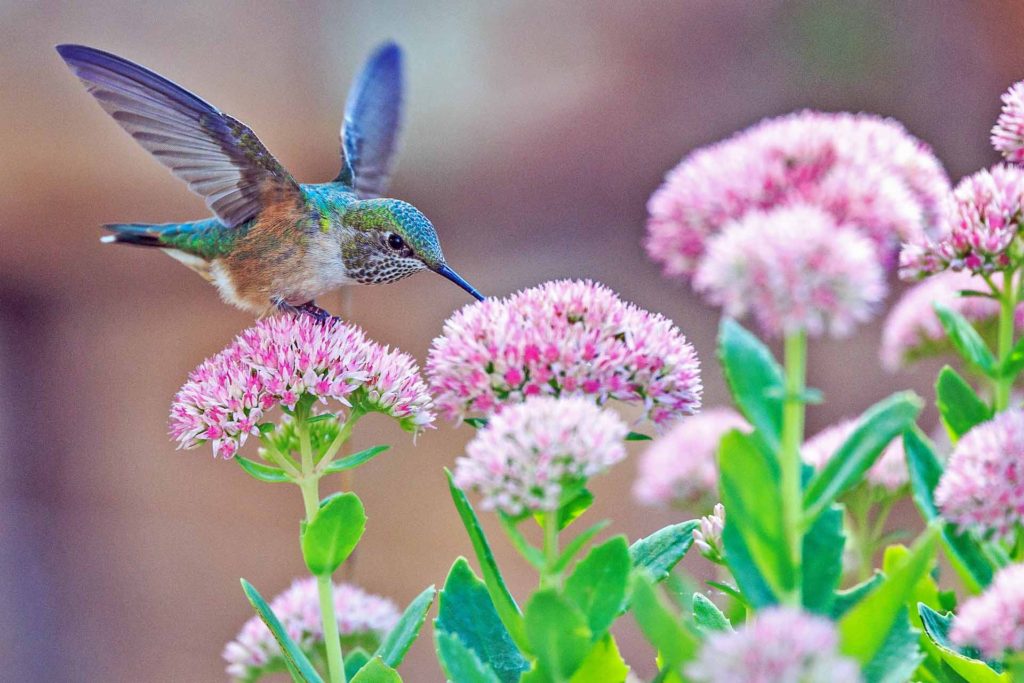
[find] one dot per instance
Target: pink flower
(982, 489)
(993, 622)
(984, 218)
(680, 466)
(793, 268)
(708, 538)
(912, 329)
(780, 645)
(1008, 133)
(280, 359)
(562, 338)
(528, 454)
(362, 617)
(863, 170)
(889, 471)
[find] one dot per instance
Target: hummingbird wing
(373, 116)
(219, 157)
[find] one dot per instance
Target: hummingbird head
(390, 240)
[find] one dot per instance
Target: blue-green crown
(400, 217)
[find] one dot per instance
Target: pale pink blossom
(993, 622)
(363, 618)
(562, 338)
(277, 361)
(982, 489)
(708, 536)
(889, 471)
(780, 645)
(680, 466)
(529, 454)
(1008, 133)
(793, 268)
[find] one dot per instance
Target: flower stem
(1007, 309)
(789, 455)
(548, 576)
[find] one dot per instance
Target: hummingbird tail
(141, 234)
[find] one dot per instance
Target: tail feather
(140, 234)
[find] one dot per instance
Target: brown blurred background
(535, 133)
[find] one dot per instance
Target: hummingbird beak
(447, 272)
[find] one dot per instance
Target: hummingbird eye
(396, 242)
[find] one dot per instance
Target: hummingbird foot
(309, 308)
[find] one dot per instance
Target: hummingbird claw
(309, 308)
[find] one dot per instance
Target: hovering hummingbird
(272, 241)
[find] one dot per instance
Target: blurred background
(535, 133)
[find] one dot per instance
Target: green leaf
(572, 508)
(844, 600)
(332, 535)
(753, 528)
(754, 378)
(297, 662)
(966, 340)
(376, 671)
(576, 544)
(675, 644)
(532, 555)
(598, 584)
(864, 628)
(258, 470)
(465, 610)
(1014, 362)
(926, 591)
(662, 550)
(400, 638)
(958, 404)
(899, 655)
(707, 616)
(823, 561)
(502, 599)
(965, 662)
(875, 430)
(637, 436)
(558, 635)
(461, 664)
(476, 422)
(355, 460)
(355, 660)
(603, 663)
(964, 553)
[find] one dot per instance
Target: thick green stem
(1007, 308)
(549, 578)
(789, 455)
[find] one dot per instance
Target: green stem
(548, 576)
(789, 455)
(343, 435)
(1007, 308)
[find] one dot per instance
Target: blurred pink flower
(529, 453)
(780, 645)
(361, 615)
(278, 360)
(680, 465)
(867, 172)
(1008, 133)
(793, 268)
(982, 489)
(889, 471)
(993, 622)
(562, 338)
(985, 216)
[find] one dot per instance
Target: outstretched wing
(373, 116)
(219, 157)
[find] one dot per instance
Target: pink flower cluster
(528, 454)
(868, 173)
(889, 471)
(780, 645)
(912, 328)
(982, 489)
(360, 615)
(708, 537)
(993, 622)
(1008, 133)
(562, 338)
(793, 268)
(278, 360)
(680, 466)
(985, 217)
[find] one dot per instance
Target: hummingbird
(272, 243)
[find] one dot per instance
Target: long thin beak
(457, 279)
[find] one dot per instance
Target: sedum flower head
(1008, 133)
(563, 338)
(780, 645)
(982, 489)
(277, 361)
(993, 622)
(363, 619)
(708, 536)
(984, 218)
(865, 171)
(889, 471)
(530, 453)
(680, 466)
(793, 268)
